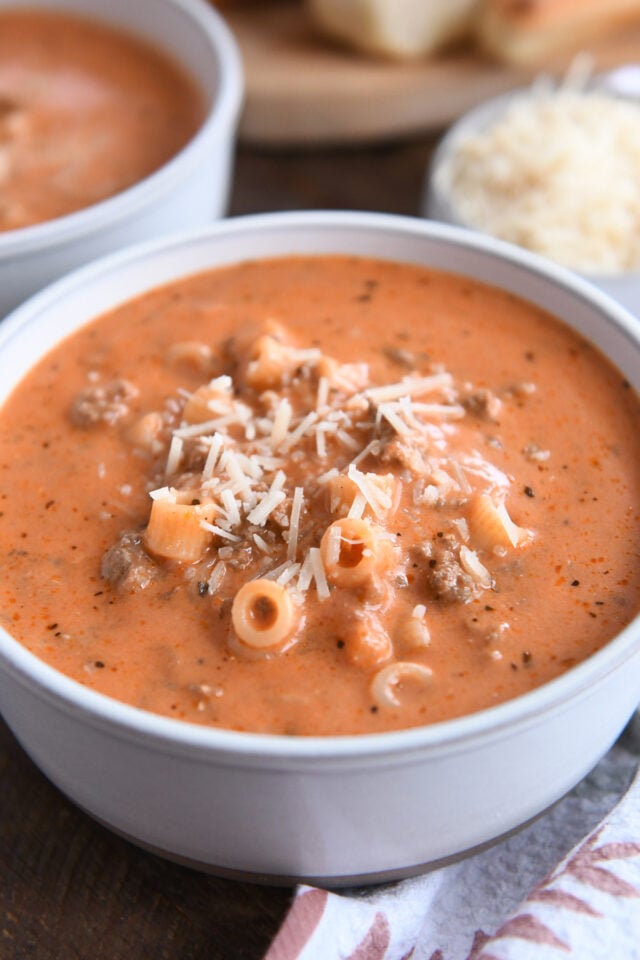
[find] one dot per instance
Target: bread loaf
(530, 32)
(398, 29)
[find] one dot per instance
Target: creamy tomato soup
(320, 495)
(85, 111)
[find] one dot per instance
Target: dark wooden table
(69, 889)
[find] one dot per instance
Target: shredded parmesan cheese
(558, 173)
(471, 564)
(319, 576)
(357, 508)
(260, 514)
(333, 545)
(215, 448)
(217, 576)
(409, 387)
(294, 522)
(230, 505)
(218, 531)
(261, 543)
(174, 457)
(289, 572)
(300, 431)
(281, 423)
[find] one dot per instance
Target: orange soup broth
(67, 492)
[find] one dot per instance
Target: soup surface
(85, 112)
(319, 495)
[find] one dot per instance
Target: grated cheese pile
(266, 459)
(243, 453)
(559, 174)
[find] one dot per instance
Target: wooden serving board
(303, 91)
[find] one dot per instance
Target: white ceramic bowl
(334, 810)
(438, 202)
(188, 191)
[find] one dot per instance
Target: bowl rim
(179, 736)
(223, 112)
(437, 202)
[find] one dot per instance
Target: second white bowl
(188, 191)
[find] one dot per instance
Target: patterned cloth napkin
(566, 885)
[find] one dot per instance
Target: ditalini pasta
(320, 495)
(263, 614)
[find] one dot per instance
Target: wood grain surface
(70, 889)
(304, 91)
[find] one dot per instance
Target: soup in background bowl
(117, 122)
(399, 384)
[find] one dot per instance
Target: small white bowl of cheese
(554, 169)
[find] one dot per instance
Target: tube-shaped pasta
(272, 361)
(192, 355)
(413, 633)
(145, 432)
(353, 551)
(491, 526)
(346, 377)
(263, 614)
(208, 401)
(385, 683)
(342, 492)
(175, 530)
(367, 643)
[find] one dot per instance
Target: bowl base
(330, 882)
